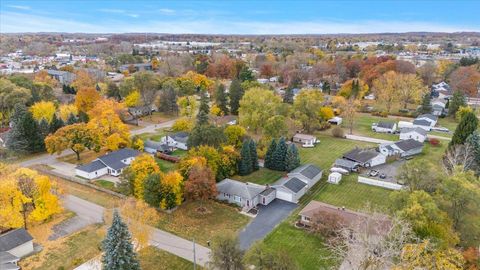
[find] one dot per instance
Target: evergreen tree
(71, 119)
(152, 190)
(458, 100)
(83, 117)
(355, 88)
(55, 124)
(254, 155)
(25, 135)
(278, 160)
(269, 154)
(236, 93)
(292, 159)
(465, 128)
(426, 104)
(203, 110)
(474, 141)
(206, 135)
(168, 100)
(44, 130)
(118, 249)
(170, 198)
(245, 164)
(326, 88)
(245, 74)
(221, 99)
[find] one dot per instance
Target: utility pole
(194, 256)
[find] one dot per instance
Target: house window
(237, 198)
(306, 218)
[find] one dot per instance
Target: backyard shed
(334, 178)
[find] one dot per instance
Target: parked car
(373, 173)
(383, 176)
(339, 170)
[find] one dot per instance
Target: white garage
(283, 194)
(291, 189)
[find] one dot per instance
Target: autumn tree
(426, 255)
(234, 135)
(188, 106)
(86, 99)
(43, 110)
(412, 175)
(152, 190)
(201, 185)
(147, 85)
(172, 190)
(385, 89)
(256, 106)
(355, 88)
(276, 126)
(226, 253)
(76, 137)
(132, 99)
(66, 111)
(465, 80)
(43, 77)
(306, 108)
(134, 176)
(349, 109)
(264, 258)
(83, 80)
(10, 95)
(410, 89)
(182, 124)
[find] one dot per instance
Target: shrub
(434, 141)
(324, 125)
(338, 132)
(381, 114)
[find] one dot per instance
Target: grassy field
(306, 249)
(154, 259)
(157, 118)
(105, 184)
(157, 136)
(166, 166)
(188, 223)
(263, 176)
(363, 126)
(89, 194)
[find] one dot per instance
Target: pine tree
(458, 100)
(236, 93)
(221, 99)
(44, 129)
(71, 119)
(16, 141)
(245, 164)
(117, 247)
(254, 155)
(55, 124)
(474, 142)
(426, 104)
(269, 155)
(292, 159)
(288, 96)
(465, 128)
(203, 111)
(278, 160)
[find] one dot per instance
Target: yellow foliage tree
(235, 135)
(83, 80)
(215, 110)
(43, 77)
(425, 256)
(355, 87)
(186, 164)
(188, 106)
(138, 171)
(11, 204)
(326, 113)
(172, 189)
(140, 219)
(65, 110)
(133, 99)
(182, 124)
(43, 110)
(86, 99)
(76, 137)
(200, 81)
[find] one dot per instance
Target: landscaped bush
(324, 126)
(434, 141)
(338, 132)
(381, 114)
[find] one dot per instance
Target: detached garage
(291, 190)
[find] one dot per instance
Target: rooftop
(13, 239)
(361, 155)
(244, 190)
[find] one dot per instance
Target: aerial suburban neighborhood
(235, 135)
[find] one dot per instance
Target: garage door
(282, 195)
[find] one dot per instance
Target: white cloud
(19, 7)
(20, 22)
(166, 11)
(110, 10)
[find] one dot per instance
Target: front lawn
(263, 176)
(105, 184)
(156, 136)
(85, 157)
(307, 250)
(363, 126)
(188, 223)
(157, 118)
(155, 259)
(166, 166)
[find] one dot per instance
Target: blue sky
(238, 17)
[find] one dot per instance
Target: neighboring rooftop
(421, 122)
(407, 145)
(13, 239)
(294, 184)
(414, 129)
(114, 159)
(308, 170)
(244, 190)
(361, 155)
(429, 116)
(388, 125)
(304, 136)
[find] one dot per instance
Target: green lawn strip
(156, 136)
(188, 223)
(263, 176)
(154, 259)
(166, 166)
(306, 249)
(106, 184)
(448, 122)
(88, 194)
(363, 127)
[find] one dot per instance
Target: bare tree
(372, 241)
(461, 156)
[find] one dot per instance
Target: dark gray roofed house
(346, 164)
(153, 147)
(308, 170)
(245, 195)
(117, 159)
(18, 243)
(113, 164)
(429, 116)
(408, 145)
(388, 125)
(421, 122)
(365, 157)
(295, 184)
(92, 166)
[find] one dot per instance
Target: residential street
(366, 139)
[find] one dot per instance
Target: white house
(292, 187)
(177, 140)
(111, 163)
(384, 127)
(365, 157)
(403, 148)
(418, 134)
(305, 139)
(14, 245)
(425, 121)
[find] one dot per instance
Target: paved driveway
(269, 216)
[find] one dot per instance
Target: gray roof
(13, 239)
(345, 163)
(57, 72)
(308, 170)
(155, 145)
(294, 184)
(244, 190)
(114, 159)
(414, 129)
(361, 155)
(6, 257)
(408, 145)
(429, 116)
(9, 266)
(180, 137)
(267, 191)
(92, 166)
(389, 125)
(421, 122)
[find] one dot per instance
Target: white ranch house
(111, 163)
(384, 127)
(177, 140)
(418, 134)
(305, 139)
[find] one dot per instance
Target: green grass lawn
(188, 223)
(307, 250)
(363, 126)
(263, 176)
(166, 166)
(154, 259)
(157, 136)
(105, 184)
